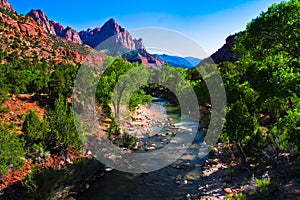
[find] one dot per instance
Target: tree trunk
(242, 154)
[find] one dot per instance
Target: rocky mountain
(111, 31)
(225, 53)
(177, 61)
(6, 6)
(55, 28)
(142, 56)
(114, 40)
(28, 38)
(40, 17)
(70, 34)
(111, 36)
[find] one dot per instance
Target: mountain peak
(112, 20)
(53, 27)
(112, 27)
(111, 32)
(40, 17)
(6, 6)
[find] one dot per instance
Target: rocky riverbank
(223, 178)
(145, 121)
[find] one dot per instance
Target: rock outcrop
(70, 34)
(6, 6)
(58, 28)
(30, 38)
(114, 40)
(225, 53)
(40, 17)
(111, 36)
(55, 28)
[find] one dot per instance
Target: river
(176, 181)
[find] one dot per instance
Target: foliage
(238, 196)
(126, 141)
(265, 82)
(117, 82)
(263, 184)
(113, 130)
(34, 130)
(41, 183)
(50, 183)
(61, 81)
(62, 130)
(11, 150)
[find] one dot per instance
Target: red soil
(18, 106)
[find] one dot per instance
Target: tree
(116, 83)
(11, 150)
(273, 32)
(34, 130)
(265, 81)
(62, 131)
(61, 81)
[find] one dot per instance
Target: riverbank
(223, 178)
(143, 122)
(63, 174)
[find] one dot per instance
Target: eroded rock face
(40, 17)
(71, 35)
(139, 44)
(6, 6)
(114, 39)
(30, 29)
(225, 53)
(58, 28)
(55, 28)
(28, 38)
(110, 34)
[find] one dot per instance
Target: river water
(176, 181)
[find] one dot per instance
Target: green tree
(61, 81)
(11, 150)
(34, 130)
(265, 80)
(62, 130)
(116, 82)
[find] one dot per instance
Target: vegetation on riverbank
(262, 128)
(263, 107)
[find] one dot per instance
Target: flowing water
(172, 182)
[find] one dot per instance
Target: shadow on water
(172, 182)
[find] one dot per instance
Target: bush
(62, 130)
(34, 130)
(11, 150)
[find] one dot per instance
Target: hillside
(28, 39)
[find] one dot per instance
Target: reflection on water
(172, 182)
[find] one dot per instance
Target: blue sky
(206, 22)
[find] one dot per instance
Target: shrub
(62, 130)
(34, 130)
(11, 150)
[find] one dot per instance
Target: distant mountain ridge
(177, 61)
